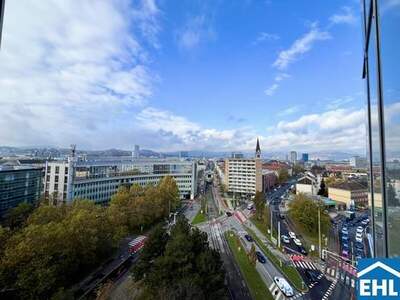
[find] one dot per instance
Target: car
(248, 238)
(359, 238)
(311, 275)
(345, 230)
(284, 286)
(345, 246)
(302, 250)
(360, 229)
(345, 253)
(359, 246)
(285, 239)
(229, 214)
(365, 222)
(358, 257)
(292, 235)
(260, 257)
(345, 238)
(297, 242)
(250, 206)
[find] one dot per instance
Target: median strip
(253, 279)
(289, 271)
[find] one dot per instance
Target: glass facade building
(382, 80)
(17, 185)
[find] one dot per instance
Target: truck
(136, 244)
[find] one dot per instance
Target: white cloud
(289, 111)
(300, 46)
(346, 16)
(70, 69)
(339, 102)
(196, 30)
(271, 90)
(265, 36)
(281, 77)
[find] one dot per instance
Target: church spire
(258, 149)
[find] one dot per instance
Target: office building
(19, 184)
(381, 75)
(244, 175)
(293, 157)
(358, 162)
(98, 180)
(304, 157)
(136, 152)
(237, 155)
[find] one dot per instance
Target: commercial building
(304, 157)
(293, 157)
(98, 180)
(19, 184)
(381, 74)
(136, 152)
(358, 162)
(349, 194)
(244, 175)
(308, 184)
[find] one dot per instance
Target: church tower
(258, 149)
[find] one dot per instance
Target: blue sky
(190, 74)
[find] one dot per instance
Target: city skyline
(127, 81)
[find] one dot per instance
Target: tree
(283, 175)
(252, 255)
(304, 212)
(259, 203)
(297, 169)
(185, 268)
(323, 191)
(17, 216)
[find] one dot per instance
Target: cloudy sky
(181, 75)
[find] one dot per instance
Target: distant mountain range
(57, 152)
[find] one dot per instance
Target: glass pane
(375, 142)
(390, 49)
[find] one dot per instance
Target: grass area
(253, 279)
(263, 227)
(289, 271)
(199, 218)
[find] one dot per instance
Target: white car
(284, 286)
(285, 239)
(359, 237)
(292, 235)
(360, 229)
(297, 242)
(365, 222)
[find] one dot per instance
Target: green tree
(283, 175)
(252, 255)
(259, 203)
(304, 212)
(323, 191)
(297, 169)
(17, 216)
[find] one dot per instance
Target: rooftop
(349, 186)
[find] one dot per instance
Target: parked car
(292, 234)
(229, 214)
(285, 239)
(248, 238)
(260, 257)
(345, 230)
(359, 237)
(345, 238)
(365, 222)
(284, 286)
(297, 242)
(345, 253)
(345, 246)
(360, 229)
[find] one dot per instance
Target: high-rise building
(244, 175)
(381, 74)
(358, 162)
(18, 184)
(293, 157)
(99, 179)
(136, 152)
(304, 157)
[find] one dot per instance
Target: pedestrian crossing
(330, 289)
(305, 265)
(275, 291)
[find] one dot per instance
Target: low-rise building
(308, 184)
(98, 180)
(349, 194)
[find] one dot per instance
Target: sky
(183, 75)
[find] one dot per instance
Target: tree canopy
(180, 265)
(283, 175)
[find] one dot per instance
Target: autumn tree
(283, 175)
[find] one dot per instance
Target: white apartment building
(243, 175)
(98, 180)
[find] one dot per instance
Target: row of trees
(180, 265)
(55, 246)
